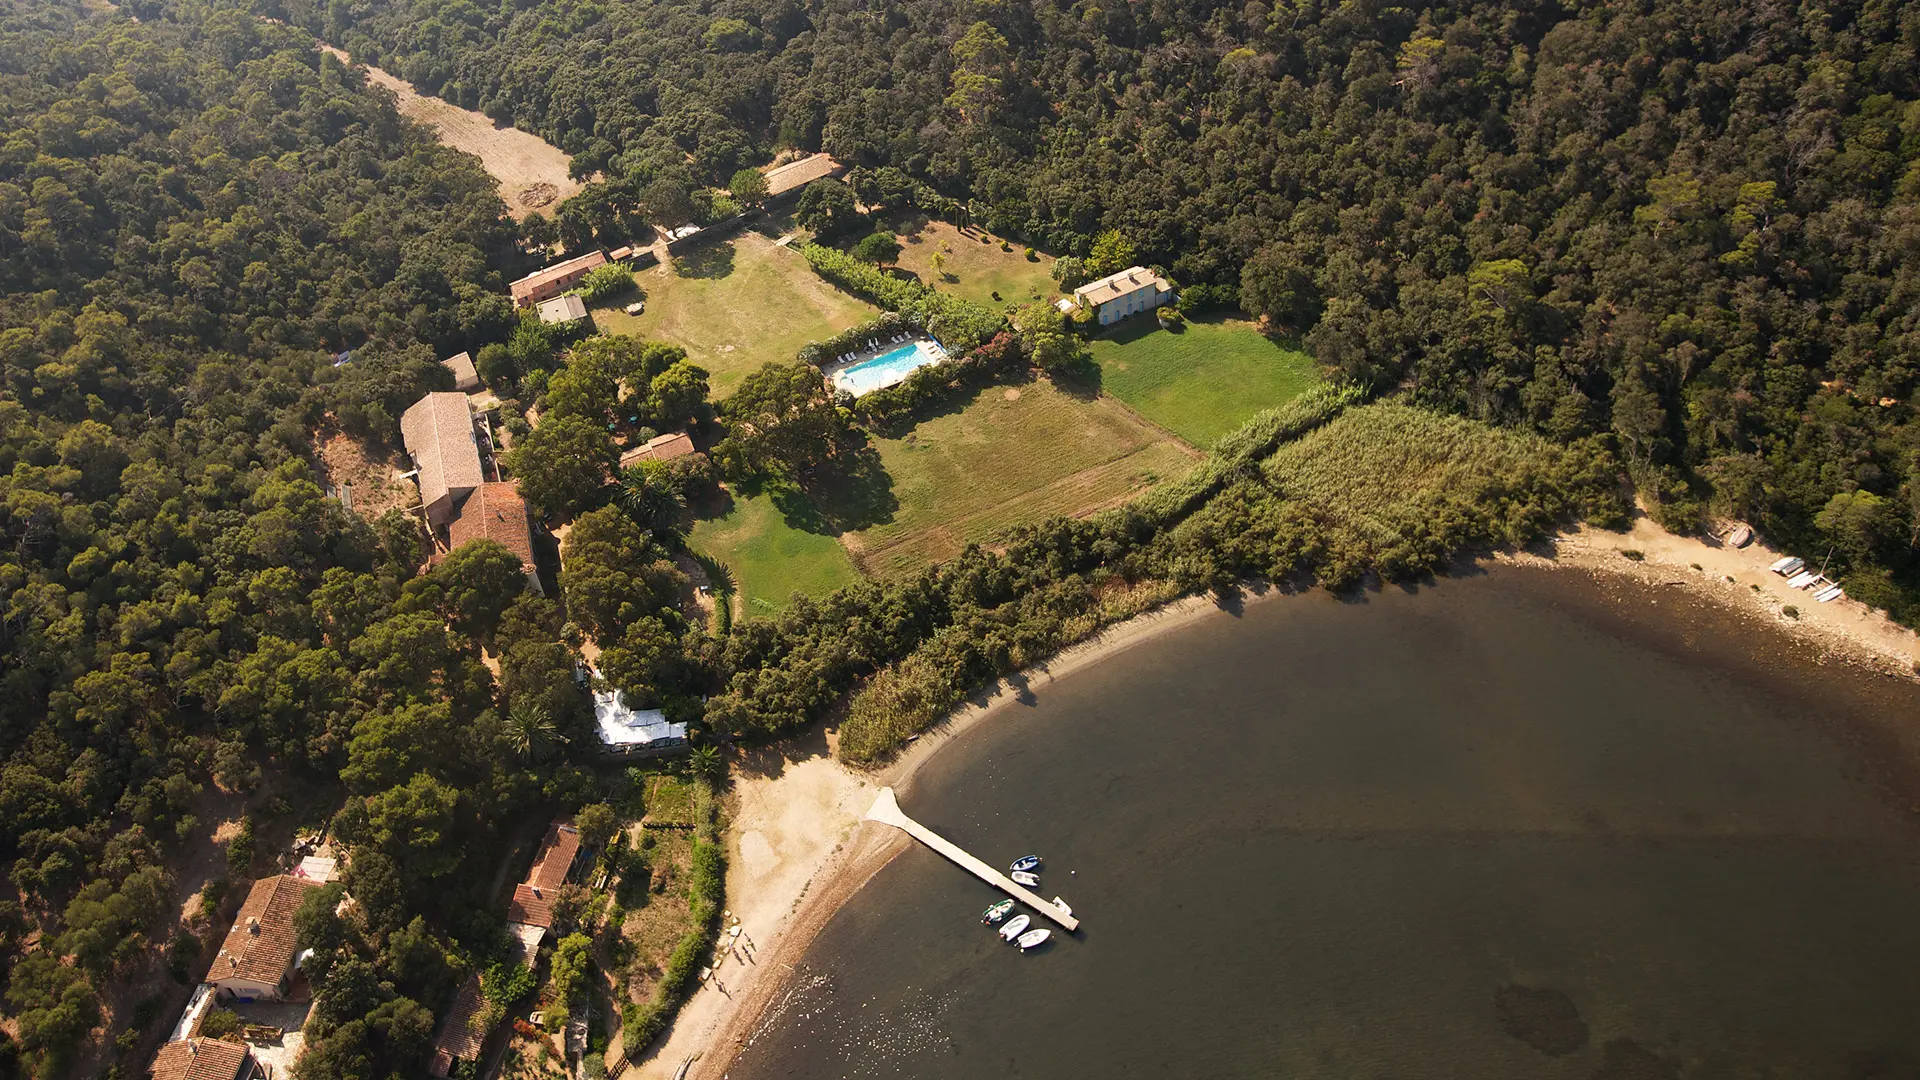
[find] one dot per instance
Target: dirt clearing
(532, 172)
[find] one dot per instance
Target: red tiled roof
(260, 945)
(533, 898)
(659, 448)
(575, 267)
(458, 1039)
(784, 178)
(438, 432)
(494, 512)
(201, 1059)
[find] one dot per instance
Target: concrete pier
(887, 812)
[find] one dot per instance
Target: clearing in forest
(532, 172)
(735, 304)
(1201, 381)
(972, 270)
(771, 558)
(1012, 456)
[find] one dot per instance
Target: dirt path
(532, 172)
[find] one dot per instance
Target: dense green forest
(196, 215)
(1688, 225)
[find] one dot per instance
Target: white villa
(1128, 292)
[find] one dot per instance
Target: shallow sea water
(1518, 824)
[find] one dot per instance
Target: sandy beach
(798, 849)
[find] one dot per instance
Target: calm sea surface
(1514, 825)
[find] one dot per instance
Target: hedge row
(641, 1023)
(959, 324)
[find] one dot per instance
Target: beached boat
(1788, 566)
(1026, 862)
(1740, 537)
(1033, 937)
(1062, 905)
(1021, 877)
(1015, 927)
(997, 912)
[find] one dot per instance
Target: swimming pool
(889, 367)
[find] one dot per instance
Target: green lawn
(1202, 381)
(973, 271)
(770, 559)
(1012, 456)
(734, 305)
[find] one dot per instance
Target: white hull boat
(1062, 905)
(1033, 937)
(1021, 877)
(1015, 927)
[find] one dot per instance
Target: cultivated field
(1012, 456)
(532, 172)
(770, 559)
(1202, 381)
(973, 271)
(734, 305)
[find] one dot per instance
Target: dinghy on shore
(1788, 566)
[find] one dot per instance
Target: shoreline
(818, 879)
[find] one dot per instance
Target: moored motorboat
(1015, 927)
(997, 912)
(1062, 905)
(1026, 862)
(1021, 877)
(1033, 937)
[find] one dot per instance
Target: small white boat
(1788, 566)
(1062, 905)
(1802, 579)
(1015, 926)
(1831, 592)
(1033, 937)
(1021, 877)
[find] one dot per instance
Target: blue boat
(1026, 862)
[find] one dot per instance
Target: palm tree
(533, 731)
(706, 764)
(649, 496)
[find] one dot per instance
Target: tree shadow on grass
(1080, 380)
(849, 493)
(712, 260)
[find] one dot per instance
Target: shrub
(605, 282)
(1632, 555)
(1790, 611)
(959, 324)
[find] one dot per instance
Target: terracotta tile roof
(465, 378)
(659, 448)
(1115, 286)
(533, 898)
(545, 281)
(563, 309)
(201, 1059)
(457, 1037)
(784, 178)
(438, 432)
(260, 945)
(495, 511)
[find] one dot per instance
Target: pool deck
(834, 369)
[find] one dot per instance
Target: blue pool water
(888, 368)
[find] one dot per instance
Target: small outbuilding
(659, 448)
(256, 960)
(628, 732)
(465, 378)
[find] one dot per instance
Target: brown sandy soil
(346, 460)
(1843, 629)
(532, 172)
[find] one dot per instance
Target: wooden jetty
(887, 812)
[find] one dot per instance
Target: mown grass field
(1012, 456)
(1202, 381)
(734, 305)
(770, 559)
(974, 271)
